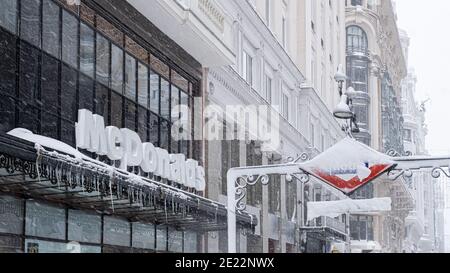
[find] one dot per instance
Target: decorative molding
(210, 9)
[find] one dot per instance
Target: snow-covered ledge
(336, 208)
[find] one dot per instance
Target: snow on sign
(349, 165)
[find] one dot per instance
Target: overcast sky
(427, 24)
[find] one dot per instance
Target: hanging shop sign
(126, 146)
(349, 165)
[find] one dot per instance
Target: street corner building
(87, 161)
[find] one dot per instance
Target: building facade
(107, 58)
(266, 72)
(375, 67)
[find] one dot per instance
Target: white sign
(126, 145)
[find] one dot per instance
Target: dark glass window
(117, 69)
(50, 28)
(175, 241)
(101, 101)
(87, 50)
(103, 50)
(116, 110)
(7, 63)
(154, 129)
(358, 73)
(356, 2)
(143, 123)
(130, 77)
(30, 25)
(7, 111)
(275, 194)
(161, 238)
(68, 93)
(130, 115)
(164, 134)
(49, 94)
(154, 92)
(70, 39)
(143, 85)
(29, 88)
(175, 104)
(165, 99)
(86, 93)
(143, 236)
(8, 11)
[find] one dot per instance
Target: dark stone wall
(145, 31)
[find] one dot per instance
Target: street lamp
(344, 110)
(340, 78)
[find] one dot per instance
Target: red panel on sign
(349, 165)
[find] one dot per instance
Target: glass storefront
(32, 226)
(66, 58)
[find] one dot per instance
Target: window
(165, 99)
(69, 39)
(8, 10)
(154, 92)
(84, 227)
(130, 77)
(143, 85)
(275, 194)
(11, 215)
(161, 238)
(291, 199)
(30, 29)
(143, 236)
(117, 69)
(284, 32)
(285, 106)
(356, 40)
(103, 56)
(247, 67)
(50, 28)
(116, 231)
(87, 50)
(358, 73)
(268, 88)
(407, 135)
(356, 2)
(190, 242)
(268, 12)
(361, 228)
(175, 103)
(45, 221)
(175, 240)
(312, 132)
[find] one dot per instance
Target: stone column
(375, 106)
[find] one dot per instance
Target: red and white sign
(349, 165)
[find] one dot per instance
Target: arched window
(356, 39)
(357, 59)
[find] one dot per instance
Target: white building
(424, 225)
(266, 72)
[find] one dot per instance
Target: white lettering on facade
(125, 145)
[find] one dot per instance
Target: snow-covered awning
(67, 177)
(336, 208)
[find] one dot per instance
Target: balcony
(330, 223)
(201, 27)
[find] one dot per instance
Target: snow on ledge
(46, 142)
(336, 208)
